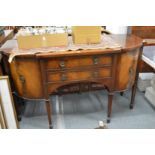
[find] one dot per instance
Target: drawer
(79, 75)
(70, 63)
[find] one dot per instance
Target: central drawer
(79, 75)
(77, 62)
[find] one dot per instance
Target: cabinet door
(27, 77)
(127, 66)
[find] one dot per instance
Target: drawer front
(79, 75)
(70, 63)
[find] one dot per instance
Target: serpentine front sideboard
(37, 75)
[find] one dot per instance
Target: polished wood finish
(27, 77)
(36, 76)
(75, 62)
(127, 69)
(145, 68)
(134, 87)
(147, 33)
(48, 107)
(110, 98)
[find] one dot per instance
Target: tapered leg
(133, 93)
(48, 108)
(133, 96)
(134, 87)
(110, 98)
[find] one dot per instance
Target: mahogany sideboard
(38, 75)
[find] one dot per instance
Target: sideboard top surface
(126, 42)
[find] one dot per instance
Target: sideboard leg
(133, 93)
(134, 87)
(133, 96)
(48, 107)
(110, 98)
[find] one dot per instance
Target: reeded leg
(133, 96)
(48, 108)
(110, 98)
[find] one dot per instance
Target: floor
(83, 111)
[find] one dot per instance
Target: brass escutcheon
(62, 64)
(63, 77)
(95, 60)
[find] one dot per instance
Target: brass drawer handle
(63, 77)
(95, 74)
(62, 64)
(95, 60)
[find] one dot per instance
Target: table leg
(134, 87)
(110, 98)
(48, 108)
(133, 93)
